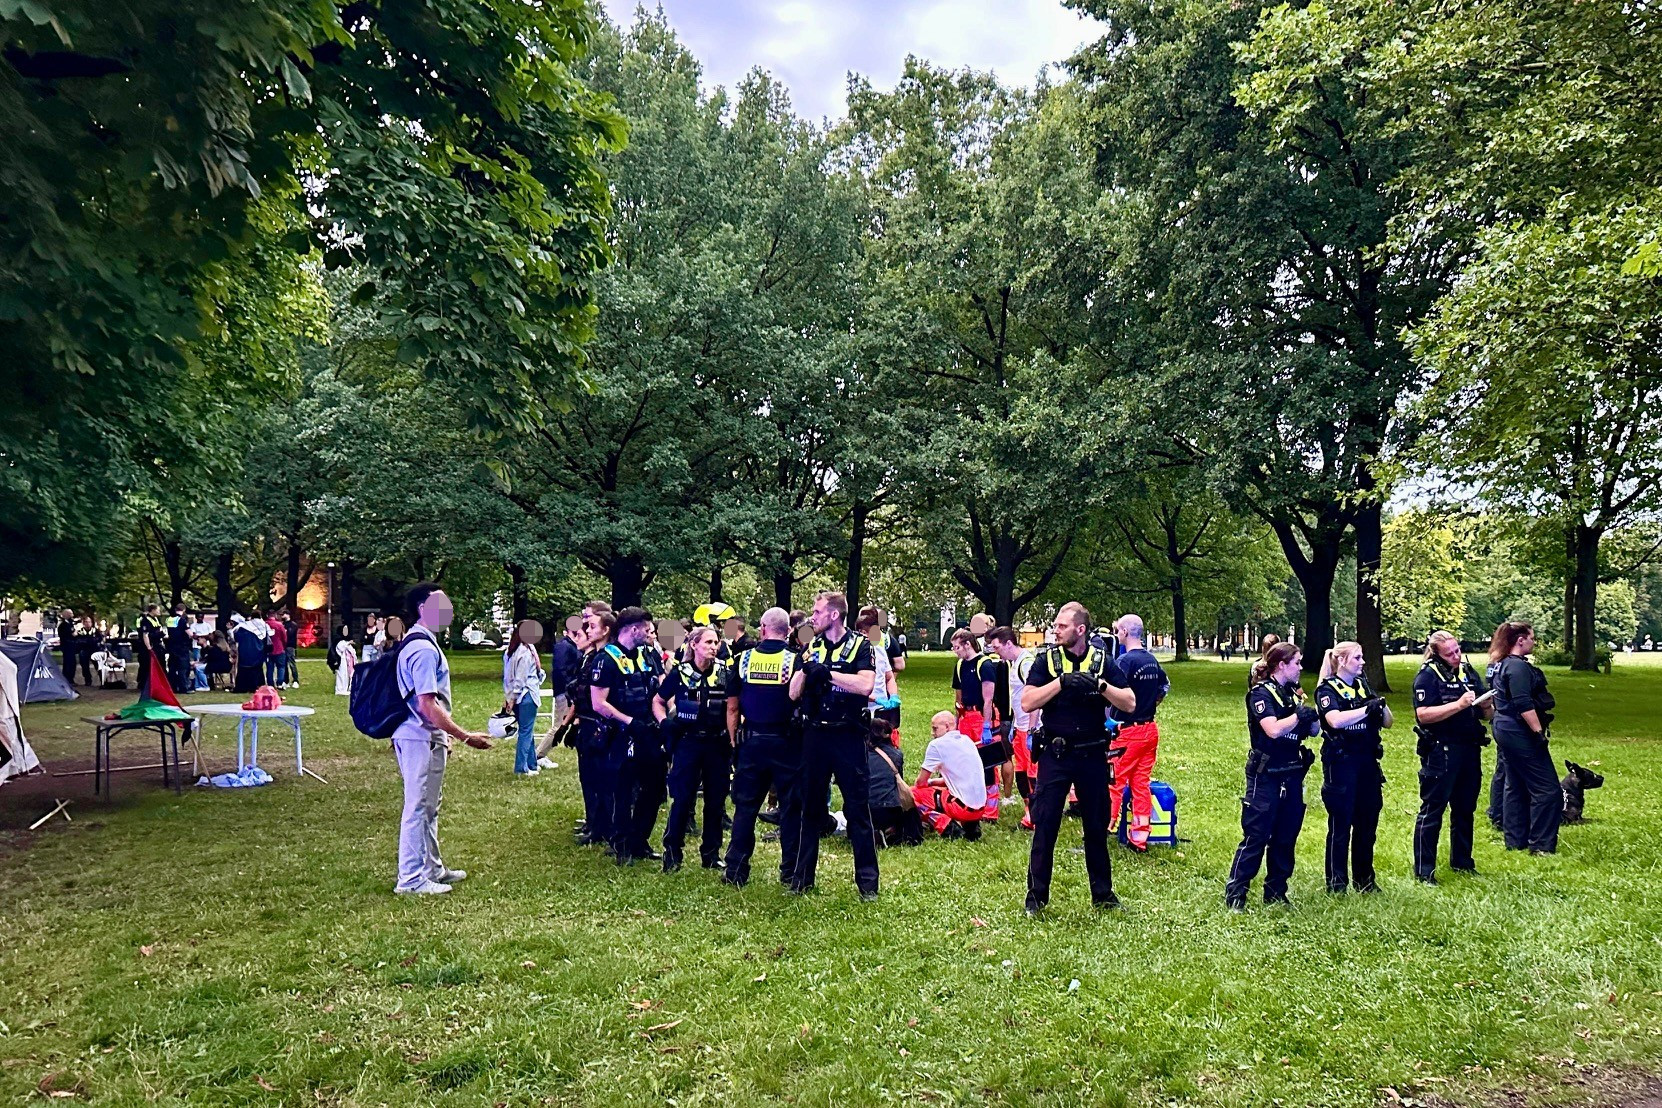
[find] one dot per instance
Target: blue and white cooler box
(1162, 828)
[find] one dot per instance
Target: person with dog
(1272, 809)
(1140, 685)
(954, 803)
(1449, 724)
(1069, 681)
(1533, 803)
(1353, 783)
(691, 708)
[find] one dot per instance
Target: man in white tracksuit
(422, 742)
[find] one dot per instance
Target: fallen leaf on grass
(147, 951)
(664, 1026)
(528, 964)
(758, 979)
(264, 1084)
(395, 1015)
(977, 921)
(913, 1022)
(410, 961)
(643, 1005)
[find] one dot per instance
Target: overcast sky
(811, 45)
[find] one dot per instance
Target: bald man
(951, 789)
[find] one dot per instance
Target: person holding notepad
(1450, 706)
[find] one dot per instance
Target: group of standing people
(192, 654)
(1451, 706)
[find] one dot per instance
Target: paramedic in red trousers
(1069, 681)
(954, 803)
(422, 742)
(1018, 662)
(1135, 672)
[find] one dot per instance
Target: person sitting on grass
(955, 803)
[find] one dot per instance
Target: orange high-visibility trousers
(1138, 743)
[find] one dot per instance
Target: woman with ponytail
(1272, 809)
(1533, 803)
(1352, 782)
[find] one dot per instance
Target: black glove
(1309, 721)
(567, 735)
(1376, 712)
(1081, 683)
(815, 674)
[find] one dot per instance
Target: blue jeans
(525, 753)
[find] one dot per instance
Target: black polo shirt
(1436, 685)
(1139, 671)
(1269, 701)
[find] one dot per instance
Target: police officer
(1069, 681)
(1272, 811)
(593, 732)
(769, 753)
(150, 648)
(691, 708)
(624, 679)
(1352, 781)
(1533, 802)
(832, 684)
(1449, 724)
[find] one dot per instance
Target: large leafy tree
(152, 145)
(982, 256)
(707, 426)
(1273, 298)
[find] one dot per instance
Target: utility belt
(855, 725)
(1425, 740)
(1352, 746)
(1042, 741)
(1260, 762)
(767, 731)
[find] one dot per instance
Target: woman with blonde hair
(1352, 782)
(1449, 722)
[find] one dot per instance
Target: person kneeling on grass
(955, 803)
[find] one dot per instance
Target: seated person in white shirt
(955, 802)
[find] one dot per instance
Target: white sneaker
(545, 762)
(450, 876)
(426, 888)
(526, 772)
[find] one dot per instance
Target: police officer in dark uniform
(691, 708)
(624, 679)
(769, 753)
(591, 731)
(1069, 681)
(1272, 811)
(1534, 802)
(150, 647)
(1352, 781)
(1449, 725)
(832, 684)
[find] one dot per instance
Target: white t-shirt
(1019, 669)
(956, 759)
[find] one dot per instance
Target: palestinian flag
(156, 700)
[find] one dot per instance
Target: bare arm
(600, 700)
(660, 710)
(733, 720)
(437, 716)
(860, 684)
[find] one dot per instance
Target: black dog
(1575, 786)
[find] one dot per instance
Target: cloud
(811, 45)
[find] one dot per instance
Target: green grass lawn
(244, 946)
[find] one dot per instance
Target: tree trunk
(1586, 596)
(784, 583)
(347, 611)
(1569, 591)
(520, 591)
(628, 578)
(1315, 578)
(715, 581)
(856, 553)
(1179, 618)
(173, 556)
(225, 597)
(1370, 629)
(291, 576)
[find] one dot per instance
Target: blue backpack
(377, 703)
